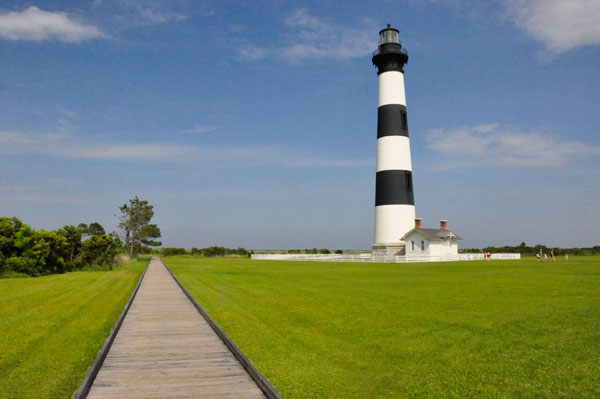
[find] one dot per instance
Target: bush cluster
(40, 252)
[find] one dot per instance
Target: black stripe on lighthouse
(394, 187)
(392, 120)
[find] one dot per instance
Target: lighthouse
(394, 199)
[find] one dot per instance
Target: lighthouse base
(389, 248)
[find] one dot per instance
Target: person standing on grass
(567, 257)
(552, 254)
(538, 257)
(545, 257)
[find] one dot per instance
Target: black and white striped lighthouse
(394, 200)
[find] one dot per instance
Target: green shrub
(169, 251)
(35, 253)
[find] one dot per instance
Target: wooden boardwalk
(166, 349)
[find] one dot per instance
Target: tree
(93, 229)
(9, 228)
(99, 251)
(57, 252)
(135, 223)
(214, 251)
(170, 251)
(72, 235)
(31, 252)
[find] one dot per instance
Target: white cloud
(8, 138)
(250, 52)
(64, 145)
(196, 130)
(40, 193)
(37, 25)
(67, 113)
(506, 147)
(313, 38)
(319, 39)
(156, 16)
(143, 13)
(561, 25)
(125, 152)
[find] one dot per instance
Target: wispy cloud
(44, 193)
(494, 144)
(142, 13)
(560, 25)
(62, 145)
(38, 25)
(318, 39)
(13, 138)
(196, 130)
(250, 52)
(312, 38)
(159, 16)
(67, 113)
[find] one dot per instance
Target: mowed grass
(485, 329)
(52, 327)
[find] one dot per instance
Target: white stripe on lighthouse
(392, 222)
(391, 88)
(393, 152)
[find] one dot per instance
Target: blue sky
(254, 123)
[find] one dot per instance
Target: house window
(422, 245)
(412, 243)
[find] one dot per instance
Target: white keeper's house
(431, 242)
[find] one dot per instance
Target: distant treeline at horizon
(524, 249)
(214, 251)
(223, 251)
(206, 252)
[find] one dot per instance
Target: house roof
(434, 234)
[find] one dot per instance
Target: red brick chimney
(443, 225)
(418, 223)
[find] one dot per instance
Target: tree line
(525, 249)
(222, 251)
(39, 252)
(313, 251)
(32, 252)
(208, 252)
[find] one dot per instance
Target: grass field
(496, 329)
(52, 327)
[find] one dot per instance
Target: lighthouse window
(389, 36)
(404, 121)
(408, 179)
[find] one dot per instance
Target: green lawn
(495, 329)
(52, 327)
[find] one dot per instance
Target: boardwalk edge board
(264, 384)
(93, 370)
